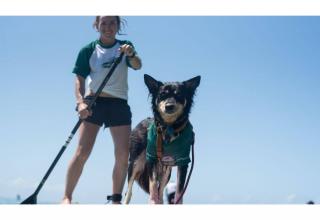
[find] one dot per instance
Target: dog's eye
(163, 94)
(177, 93)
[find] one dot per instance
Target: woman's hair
(120, 21)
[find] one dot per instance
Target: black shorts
(109, 112)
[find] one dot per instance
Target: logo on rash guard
(109, 63)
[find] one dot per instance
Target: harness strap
(159, 143)
(160, 136)
(114, 198)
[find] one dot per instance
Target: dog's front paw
(154, 200)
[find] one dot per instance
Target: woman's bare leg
(120, 136)
(87, 136)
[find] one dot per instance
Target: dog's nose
(169, 107)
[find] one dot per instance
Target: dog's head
(171, 101)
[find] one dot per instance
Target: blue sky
(256, 112)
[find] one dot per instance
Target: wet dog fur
(171, 104)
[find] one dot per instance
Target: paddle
(33, 198)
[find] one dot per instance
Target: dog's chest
(175, 148)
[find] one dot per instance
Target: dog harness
(174, 152)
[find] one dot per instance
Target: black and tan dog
(157, 144)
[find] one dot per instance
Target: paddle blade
(31, 200)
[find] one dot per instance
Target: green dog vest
(176, 152)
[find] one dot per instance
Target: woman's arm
(135, 62)
(82, 107)
(131, 54)
(79, 89)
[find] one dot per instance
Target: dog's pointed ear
(152, 84)
(193, 83)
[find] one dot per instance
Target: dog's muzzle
(169, 108)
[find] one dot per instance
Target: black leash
(33, 198)
(190, 172)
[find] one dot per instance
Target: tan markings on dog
(137, 170)
(170, 118)
(129, 191)
(153, 189)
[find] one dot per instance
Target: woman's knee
(82, 155)
(122, 160)
(122, 153)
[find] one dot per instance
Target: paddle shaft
(63, 148)
(74, 130)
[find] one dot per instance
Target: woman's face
(108, 28)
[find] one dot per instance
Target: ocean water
(5, 201)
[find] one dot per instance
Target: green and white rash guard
(94, 61)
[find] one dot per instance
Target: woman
(111, 108)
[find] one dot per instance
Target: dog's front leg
(133, 172)
(153, 184)
(181, 179)
(166, 171)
